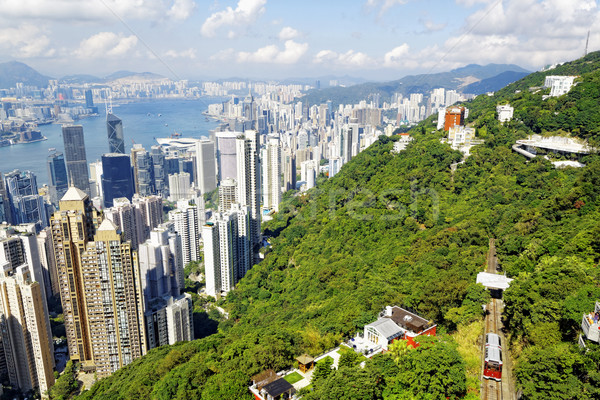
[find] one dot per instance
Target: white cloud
(288, 33)
(394, 57)
(223, 55)
(383, 5)
(189, 53)
(25, 41)
(349, 59)
(291, 54)
(95, 10)
(431, 26)
(471, 3)
(246, 12)
(181, 9)
(106, 44)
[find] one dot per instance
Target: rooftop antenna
(587, 42)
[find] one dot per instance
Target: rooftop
(278, 387)
(74, 194)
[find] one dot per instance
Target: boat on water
(159, 114)
(52, 149)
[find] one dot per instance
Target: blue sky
(275, 39)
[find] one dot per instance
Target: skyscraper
(227, 189)
(75, 157)
(99, 286)
(272, 174)
(113, 303)
(227, 249)
(117, 180)
(179, 186)
(186, 219)
(205, 166)
(289, 169)
(27, 205)
(57, 177)
(248, 181)
(226, 154)
(143, 171)
(25, 327)
(114, 127)
(72, 227)
(5, 208)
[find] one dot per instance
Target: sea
(143, 122)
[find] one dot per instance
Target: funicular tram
(591, 324)
(492, 367)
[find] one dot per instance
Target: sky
(278, 39)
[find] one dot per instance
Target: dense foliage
(405, 229)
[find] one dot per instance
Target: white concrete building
(206, 166)
(179, 186)
(271, 162)
(559, 85)
(505, 112)
(186, 222)
(227, 252)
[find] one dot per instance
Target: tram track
(491, 389)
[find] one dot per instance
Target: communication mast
(587, 42)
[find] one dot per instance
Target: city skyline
(373, 39)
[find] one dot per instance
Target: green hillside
(403, 229)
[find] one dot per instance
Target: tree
(67, 385)
(322, 370)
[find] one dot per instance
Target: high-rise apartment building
(186, 220)
(161, 183)
(227, 249)
(114, 127)
(248, 181)
(226, 155)
(72, 227)
(24, 327)
(58, 182)
(127, 218)
(75, 157)
(289, 169)
(151, 212)
(227, 193)
(169, 320)
(117, 180)
(113, 303)
(206, 173)
(48, 261)
(272, 174)
(179, 186)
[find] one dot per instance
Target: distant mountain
(13, 71)
(495, 83)
(457, 79)
(134, 75)
(81, 79)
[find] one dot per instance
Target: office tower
(272, 174)
(227, 192)
(114, 127)
(143, 171)
(187, 165)
(5, 208)
(186, 220)
(169, 320)
(116, 177)
(24, 326)
(127, 219)
(289, 169)
(58, 182)
(96, 179)
(113, 303)
(179, 186)
(227, 249)
(248, 181)
(89, 99)
(205, 166)
(226, 155)
(161, 183)
(27, 206)
(48, 261)
(72, 227)
(75, 157)
(161, 264)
